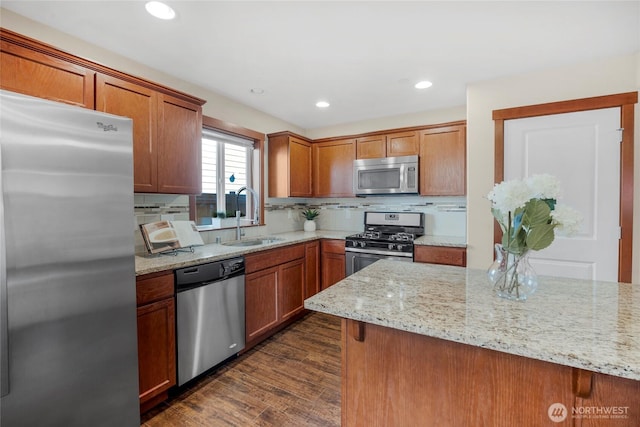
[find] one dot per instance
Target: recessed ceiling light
(322, 104)
(257, 91)
(423, 84)
(160, 10)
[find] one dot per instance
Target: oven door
(356, 261)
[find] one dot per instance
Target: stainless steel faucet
(255, 219)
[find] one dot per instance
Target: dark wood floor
(291, 379)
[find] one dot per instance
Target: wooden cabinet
(139, 103)
(37, 74)
(371, 147)
(388, 145)
(167, 124)
(440, 255)
(166, 135)
(156, 337)
(392, 377)
(402, 144)
(332, 261)
(443, 161)
(312, 268)
(333, 168)
(290, 166)
(179, 146)
(274, 290)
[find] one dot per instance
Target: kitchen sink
(253, 242)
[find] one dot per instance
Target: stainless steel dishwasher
(210, 315)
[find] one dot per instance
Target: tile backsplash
(444, 216)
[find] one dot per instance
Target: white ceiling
(361, 56)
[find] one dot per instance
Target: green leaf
(517, 244)
(536, 212)
(540, 237)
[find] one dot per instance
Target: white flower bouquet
(529, 215)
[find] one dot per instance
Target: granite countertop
(450, 241)
(214, 252)
(583, 324)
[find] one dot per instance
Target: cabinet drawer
(334, 246)
(273, 257)
(154, 287)
(440, 255)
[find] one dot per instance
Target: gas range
(387, 233)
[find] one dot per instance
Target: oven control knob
(354, 243)
(400, 247)
(390, 246)
(362, 244)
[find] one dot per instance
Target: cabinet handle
(4, 317)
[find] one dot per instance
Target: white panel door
(582, 150)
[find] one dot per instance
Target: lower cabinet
(274, 290)
(312, 268)
(332, 262)
(440, 255)
(156, 337)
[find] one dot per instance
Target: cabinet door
(333, 168)
(299, 168)
(291, 289)
(261, 302)
(156, 348)
(332, 261)
(179, 146)
(403, 144)
(371, 147)
(440, 255)
(37, 74)
(126, 99)
(312, 269)
(443, 161)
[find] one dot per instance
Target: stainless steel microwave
(386, 175)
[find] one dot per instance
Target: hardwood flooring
(291, 379)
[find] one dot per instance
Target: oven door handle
(381, 252)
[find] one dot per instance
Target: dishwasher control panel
(198, 275)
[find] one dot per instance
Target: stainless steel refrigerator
(68, 307)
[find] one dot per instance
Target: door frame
(626, 103)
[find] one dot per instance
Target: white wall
(217, 105)
(394, 122)
(603, 77)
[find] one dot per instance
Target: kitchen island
(432, 345)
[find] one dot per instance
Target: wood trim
(287, 133)
(395, 130)
(258, 145)
(594, 103)
(625, 251)
(626, 103)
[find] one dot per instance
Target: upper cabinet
(37, 74)
(333, 168)
(167, 124)
(179, 146)
(289, 166)
(387, 145)
(126, 99)
(443, 161)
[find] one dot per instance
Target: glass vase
(511, 275)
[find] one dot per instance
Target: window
(227, 167)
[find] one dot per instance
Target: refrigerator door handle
(4, 340)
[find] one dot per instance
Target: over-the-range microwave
(387, 175)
